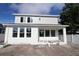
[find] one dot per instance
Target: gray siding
(2, 37)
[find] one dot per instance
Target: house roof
(37, 15)
(34, 25)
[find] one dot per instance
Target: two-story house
(34, 29)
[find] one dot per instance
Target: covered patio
(50, 34)
(46, 32)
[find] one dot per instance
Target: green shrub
(6, 45)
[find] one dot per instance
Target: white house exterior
(34, 29)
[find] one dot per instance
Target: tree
(1, 28)
(70, 16)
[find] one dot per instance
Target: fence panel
(2, 37)
(71, 38)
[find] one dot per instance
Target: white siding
(17, 19)
(34, 35)
(8, 34)
(41, 20)
(10, 40)
(35, 19)
(52, 39)
(48, 20)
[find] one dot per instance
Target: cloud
(35, 8)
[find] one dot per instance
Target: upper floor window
(15, 31)
(21, 19)
(29, 20)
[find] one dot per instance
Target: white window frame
(13, 32)
(45, 33)
(28, 32)
(23, 31)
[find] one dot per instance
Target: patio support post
(64, 36)
(56, 33)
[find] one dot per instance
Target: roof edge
(36, 15)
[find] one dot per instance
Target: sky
(7, 9)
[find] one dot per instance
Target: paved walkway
(28, 50)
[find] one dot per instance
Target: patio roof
(35, 25)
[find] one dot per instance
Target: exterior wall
(17, 19)
(33, 40)
(52, 39)
(10, 40)
(8, 34)
(49, 20)
(42, 20)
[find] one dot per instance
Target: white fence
(74, 38)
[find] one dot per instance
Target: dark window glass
(21, 32)
(21, 19)
(52, 33)
(28, 19)
(39, 18)
(41, 33)
(15, 30)
(47, 33)
(0, 30)
(28, 34)
(28, 29)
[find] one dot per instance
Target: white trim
(18, 32)
(24, 32)
(56, 33)
(6, 36)
(64, 35)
